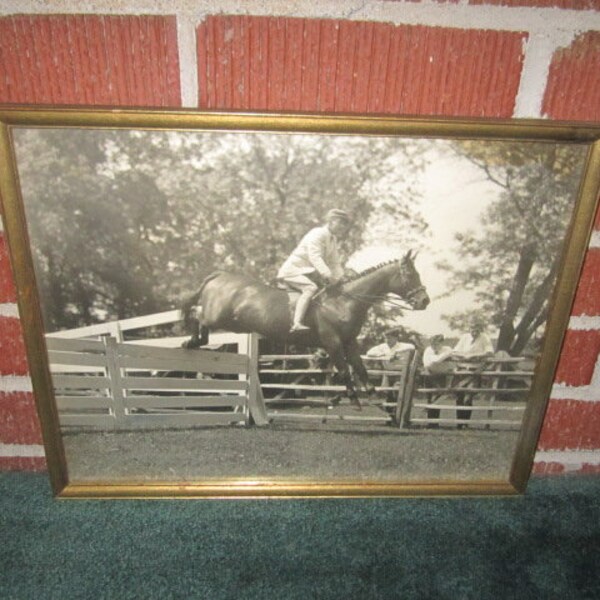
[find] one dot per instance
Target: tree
(125, 222)
(511, 262)
(90, 236)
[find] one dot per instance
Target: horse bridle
(367, 299)
(413, 293)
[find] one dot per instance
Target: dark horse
(241, 304)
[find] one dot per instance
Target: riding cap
(337, 213)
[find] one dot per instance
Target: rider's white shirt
(317, 251)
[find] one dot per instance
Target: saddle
(292, 294)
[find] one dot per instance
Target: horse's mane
(359, 275)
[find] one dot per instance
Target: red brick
(554, 468)
(91, 59)
(578, 357)
(589, 469)
(13, 360)
(356, 67)
(18, 419)
(571, 425)
(573, 90)
(8, 292)
(548, 468)
(293, 63)
(23, 463)
(567, 4)
(587, 299)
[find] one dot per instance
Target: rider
(316, 257)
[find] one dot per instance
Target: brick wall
(490, 58)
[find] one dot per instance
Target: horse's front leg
(353, 357)
(336, 354)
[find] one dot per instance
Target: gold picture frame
(32, 138)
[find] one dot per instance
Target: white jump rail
(127, 386)
(104, 382)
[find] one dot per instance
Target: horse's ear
(411, 255)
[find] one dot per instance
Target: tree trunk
(536, 312)
(506, 334)
(524, 336)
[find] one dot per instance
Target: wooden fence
(107, 383)
(104, 381)
(296, 387)
(489, 393)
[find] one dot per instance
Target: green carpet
(543, 545)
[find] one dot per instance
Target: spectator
(475, 343)
(436, 356)
(437, 363)
(393, 350)
(393, 347)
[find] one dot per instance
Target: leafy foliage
(511, 261)
(125, 223)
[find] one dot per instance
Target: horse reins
(367, 299)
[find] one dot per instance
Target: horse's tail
(187, 306)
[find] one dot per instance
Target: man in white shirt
(316, 256)
(393, 351)
(437, 363)
(392, 348)
(474, 344)
(436, 355)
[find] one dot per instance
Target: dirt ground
(290, 450)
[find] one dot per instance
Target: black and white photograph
(293, 306)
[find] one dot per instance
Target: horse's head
(406, 283)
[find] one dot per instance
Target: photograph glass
(290, 306)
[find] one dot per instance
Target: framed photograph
(235, 305)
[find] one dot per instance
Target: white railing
(100, 380)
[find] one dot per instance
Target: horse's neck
(371, 287)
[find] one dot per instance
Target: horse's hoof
(355, 402)
(191, 344)
(335, 400)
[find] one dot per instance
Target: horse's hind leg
(199, 335)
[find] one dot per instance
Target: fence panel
(82, 384)
(489, 392)
(115, 385)
(292, 381)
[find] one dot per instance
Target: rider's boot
(300, 311)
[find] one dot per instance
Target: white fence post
(116, 386)
(256, 401)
